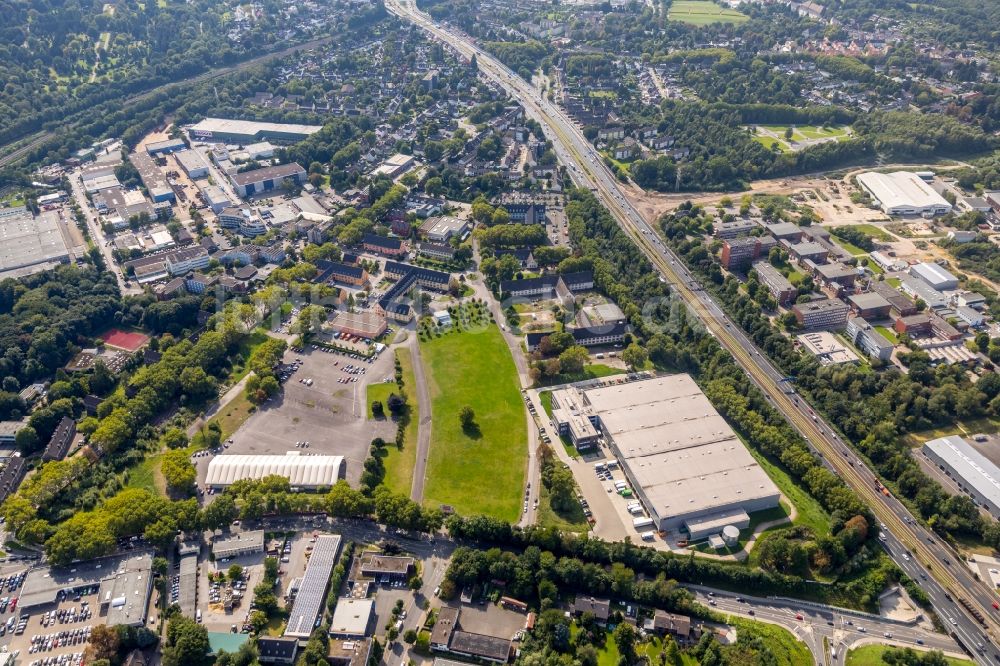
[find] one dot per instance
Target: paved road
(587, 170)
(97, 235)
(842, 628)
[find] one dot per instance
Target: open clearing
(802, 136)
(703, 12)
(871, 655)
(482, 470)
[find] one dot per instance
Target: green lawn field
(871, 655)
(399, 463)
(703, 12)
(482, 470)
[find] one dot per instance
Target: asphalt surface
(943, 576)
(97, 235)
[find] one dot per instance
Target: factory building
(193, 164)
(310, 601)
(257, 181)
(244, 132)
(934, 275)
(307, 472)
(975, 475)
(903, 193)
(682, 459)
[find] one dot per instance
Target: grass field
(809, 512)
(592, 371)
(871, 230)
(871, 655)
(233, 415)
(873, 267)
(804, 133)
(481, 470)
(147, 476)
(787, 650)
(893, 282)
(703, 12)
(850, 247)
(399, 463)
(889, 334)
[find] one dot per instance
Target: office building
(244, 132)
(389, 247)
(975, 475)
(822, 313)
(739, 252)
(827, 349)
(387, 568)
(682, 459)
(781, 289)
(868, 340)
(395, 302)
(733, 229)
(870, 305)
(903, 193)
(364, 324)
(900, 304)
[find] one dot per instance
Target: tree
(635, 357)
(104, 642)
(562, 490)
(219, 513)
(467, 417)
(187, 643)
(235, 572)
(378, 411)
(573, 360)
(27, 439)
(178, 471)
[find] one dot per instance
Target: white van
(197, 615)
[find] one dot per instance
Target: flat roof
(386, 563)
(301, 471)
(674, 445)
(902, 189)
(973, 467)
(26, 240)
(187, 584)
(43, 584)
(351, 616)
(869, 300)
(267, 173)
(251, 127)
(827, 348)
(238, 542)
(191, 160)
(480, 645)
(312, 591)
(932, 273)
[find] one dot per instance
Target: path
(226, 398)
(424, 424)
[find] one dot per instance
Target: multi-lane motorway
(915, 549)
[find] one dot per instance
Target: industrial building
(394, 166)
(152, 177)
(243, 543)
(165, 147)
(975, 474)
(903, 193)
(309, 602)
(681, 457)
(257, 181)
(187, 578)
(308, 472)
(351, 617)
(246, 132)
(446, 636)
(30, 244)
(124, 586)
(193, 163)
(917, 288)
(934, 275)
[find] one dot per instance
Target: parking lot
(321, 410)
(56, 637)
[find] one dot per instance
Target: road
(927, 553)
(424, 426)
(97, 235)
(842, 629)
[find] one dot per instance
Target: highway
(915, 549)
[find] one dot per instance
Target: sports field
(478, 470)
(127, 340)
(703, 12)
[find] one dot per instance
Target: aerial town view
(474, 332)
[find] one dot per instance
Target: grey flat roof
(869, 300)
(187, 584)
(238, 542)
(26, 240)
(312, 591)
(351, 616)
(42, 584)
(251, 127)
(973, 467)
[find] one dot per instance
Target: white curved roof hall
(301, 471)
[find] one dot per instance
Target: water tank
(731, 535)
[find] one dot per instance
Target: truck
(640, 523)
(648, 535)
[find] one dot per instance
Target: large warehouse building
(307, 472)
(903, 193)
(975, 474)
(30, 244)
(310, 601)
(245, 132)
(683, 460)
